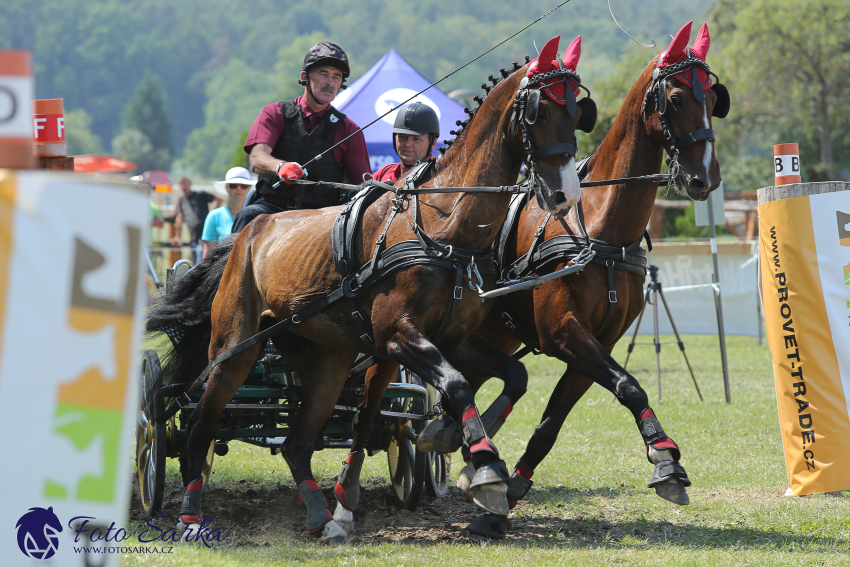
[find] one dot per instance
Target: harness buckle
(458, 292)
(183, 400)
(612, 296)
(624, 253)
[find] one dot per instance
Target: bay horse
(281, 264)
(579, 319)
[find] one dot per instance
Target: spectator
(192, 208)
(237, 182)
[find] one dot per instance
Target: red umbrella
(102, 164)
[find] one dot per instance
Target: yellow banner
(801, 255)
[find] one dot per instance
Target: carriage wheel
(406, 470)
(439, 468)
(150, 436)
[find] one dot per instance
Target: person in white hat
(219, 222)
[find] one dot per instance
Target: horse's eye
(676, 99)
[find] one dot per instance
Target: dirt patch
(252, 514)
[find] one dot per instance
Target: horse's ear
(677, 47)
(548, 54)
(588, 115)
(702, 42)
(721, 106)
(572, 54)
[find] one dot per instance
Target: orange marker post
(786, 164)
(17, 89)
(48, 128)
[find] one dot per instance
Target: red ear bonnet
(678, 51)
(547, 61)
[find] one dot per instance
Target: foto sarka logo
(38, 533)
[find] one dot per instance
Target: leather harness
(557, 250)
(422, 251)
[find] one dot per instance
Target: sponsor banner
(72, 295)
(804, 262)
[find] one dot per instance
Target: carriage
(421, 318)
(259, 414)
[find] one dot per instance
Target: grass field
(589, 504)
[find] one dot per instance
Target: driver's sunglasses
(237, 186)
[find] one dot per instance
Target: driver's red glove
(289, 170)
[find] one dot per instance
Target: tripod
(654, 287)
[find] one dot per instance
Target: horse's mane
(464, 126)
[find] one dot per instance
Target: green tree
(135, 146)
(147, 114)
(79, 138)
(235, 97)
(787, 65)
(240, 158)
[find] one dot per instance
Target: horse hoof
(490, 526)
(674, 491)
(492, 497)
(345, 519)
(333, 534)
(464, 479)
(440, 436)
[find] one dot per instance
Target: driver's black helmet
(326, 54)
(416, 119)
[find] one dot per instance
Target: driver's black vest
(295, 144)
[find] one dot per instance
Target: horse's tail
(184, 314)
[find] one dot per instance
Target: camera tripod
(654, 288)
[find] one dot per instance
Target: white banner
(72, 294)
(686, 264)
(831, 227)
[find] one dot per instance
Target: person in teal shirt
(219, 222)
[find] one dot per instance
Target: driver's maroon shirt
(352, 154)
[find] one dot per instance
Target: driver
(415, 134)
(289, 133)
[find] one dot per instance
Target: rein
(521, 188)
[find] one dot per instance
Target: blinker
(721, 106)
(662, 96)
(532, 106)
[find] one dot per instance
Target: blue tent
(389, 82)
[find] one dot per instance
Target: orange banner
(797, 252)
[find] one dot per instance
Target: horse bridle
(526, 111)
(658, 89)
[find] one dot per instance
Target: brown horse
(668, 108)
(280, 264)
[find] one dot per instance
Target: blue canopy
(389, 82)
